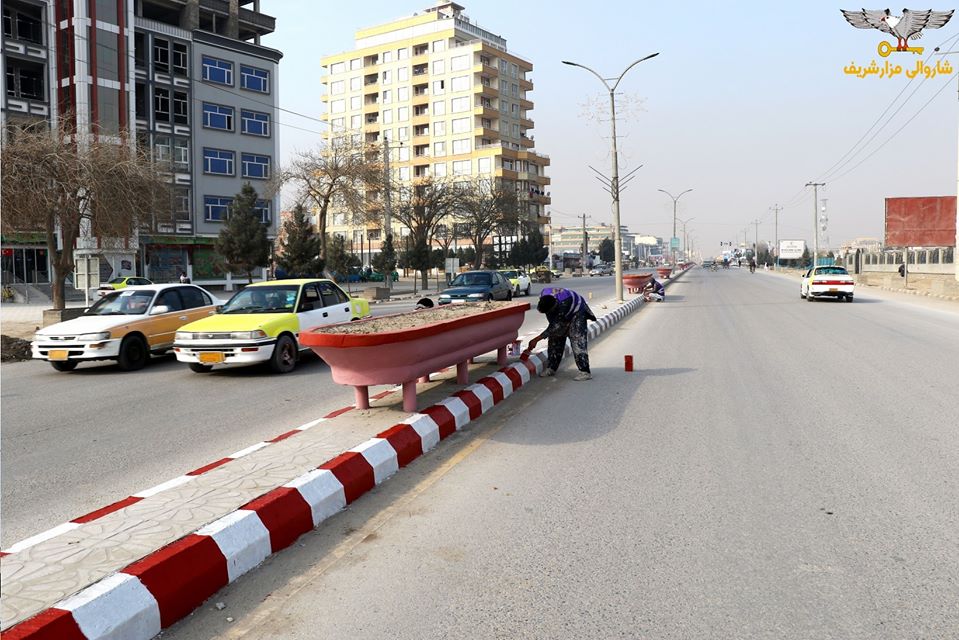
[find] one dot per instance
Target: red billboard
(921, 222)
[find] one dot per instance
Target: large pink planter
(636, 282)
(402, 357)
(664, 272)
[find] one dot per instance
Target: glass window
(459, 63)
(181, 59)
(217, 116)
(181, 108)
(439, 148)
(331, 294)
(439, 128)
(218, 161)
(461, 168)
(170, 299)
(254, 79)
(439, 87)
(460, 83)
(388, 56)
(387, 116)
(338, 87)
(355, 103)
(461, 146)
(181, 153)
(386, 97)
(439, 66)
(193, 297)
(404, 173)
(161, 54)
(255, 165)
(402, 133)
(263, 207)
(218, 71)
(387, 77)
(439, 170)
(255, 123)
(355, 64)
(439, 45)
(356, 122)
(484, 165)
(403, 74)
(309, 299)
(355, 83)
(402, 54)
(459, 105)
(216, 208)
(403, 94)
(403, 153)
(337, 106)
(403, 114)
(162, 148)
(439, 108)
(461, 125)
(337, 67)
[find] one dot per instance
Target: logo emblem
(906, 27)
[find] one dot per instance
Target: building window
(439, 148)
(23, 23)
(263, 207)
(254, 79)
(355, 83)
(403, 94)
(461, 146)
(337, 67)
(355, 64)
(461, 125)
(461, 168)
(388, 56)
(439, 128)
(403, 114)
(337, 88)
(484, 165)
(402, 54)
(218, 162)
(337, 106)
(216, 208)
(181, 153)
(181, 204)
(161, 104)
(459, 105)
(181, 108)
(161, 149)
(439, 170)
(255, 123)
(218, 71)
(439, 66)
(460, 83)
(403, 74)
(218, 116)
(439, 87)
(255, 166)
(459, 63)
(161, 54)
(181, 62)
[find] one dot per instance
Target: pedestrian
(567, 313)
(183, 278)
(902, 270)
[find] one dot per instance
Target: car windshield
(126, 302)
(831, 271)
(510, 274)
(266, 299)
(117, 281)
(471, 280)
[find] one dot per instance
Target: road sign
(88, 272)
(791, 249)
(674, 243)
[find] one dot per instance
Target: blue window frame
(255, 166)
(218, 116)
(263, 207)
(216, 208)
(218, 161)
(218, 71)
(254, 79)
(255, 123)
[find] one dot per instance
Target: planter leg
(425, 378)
(463, 372)
(409, 396)
(501, 356)
(362, 397)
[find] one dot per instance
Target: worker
(654, 291)
(567, 313)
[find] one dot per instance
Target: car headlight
(92, 337)
(476, 295)
(444, 296)
(183, 335)
(38, 337)
(248, 335)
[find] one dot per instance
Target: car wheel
(509, 296)
(516, 291)
(801, 294)
(809, 296)
(849, 298)
(283, 359)
(133, 353)
(528, 287)
(196, 367)
(65, 365)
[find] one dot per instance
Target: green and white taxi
(262, 323)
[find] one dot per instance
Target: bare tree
(422, 206)
(64, 185)
(337, 174)
(487, 205)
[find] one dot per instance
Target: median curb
(152, 593)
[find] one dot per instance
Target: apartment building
(190, 77)
(451, 100)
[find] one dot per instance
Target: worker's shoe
(584, 375)
(547, 373)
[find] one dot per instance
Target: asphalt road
(772, 469)
(72, 443)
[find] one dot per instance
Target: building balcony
(525, 85)
(371, 107)
(526, 142)
(489, 91)
(509, 174)
(525, 123)
(485, 132)
(420, 119)
(525, 104)
(420, 99)
(485, 112)
(371, 125)
(421, 139)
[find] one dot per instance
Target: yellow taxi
(127, 326)
(121, 283)
(262, 323)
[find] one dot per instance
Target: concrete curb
(151, 594)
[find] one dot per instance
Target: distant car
(375, 276)
(520, 281)
(827, 282)
(263, 322)
(121, 283)
(476, 286)
(126, 326)
(600, 270)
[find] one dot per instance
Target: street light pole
(675, 200)
(815, 219)
(614, 181)
(686, 238)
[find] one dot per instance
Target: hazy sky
(746, 102)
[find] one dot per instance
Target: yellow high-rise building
(450, 98)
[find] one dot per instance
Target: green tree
(339, 260)
(467, 255)
(385, 261)
(242, 241)
(519, 253)
(490, 261)
(299, 253)
(607, 250)
(537, 252)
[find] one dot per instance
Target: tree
(242, 241)
(422, 206)
(339, 260)
(519, 253)
(69, 186)
(338, 173)
(607, 250)
(538, 252)
(299, 253)
(487, 204)
(385, 261)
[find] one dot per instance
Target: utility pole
(815, 219)
(756, 244)
(387, 207)
(582, 262)
(776, 208)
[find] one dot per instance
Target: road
(772, 469)
(74, 443)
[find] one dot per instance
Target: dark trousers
(576, 331)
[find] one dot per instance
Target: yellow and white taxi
(127, 326)
(827, 282)
(262, 323)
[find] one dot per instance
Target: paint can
(628, 363)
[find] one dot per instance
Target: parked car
(126, 325)
(121, 283)
(520, 281)
(827, 281)
(476, 286)
(375, 276)
(262, 323)
(601, 270)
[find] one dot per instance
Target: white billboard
(791, 249)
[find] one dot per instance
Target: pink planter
(403, 357)
(664, 272)
(636, 282)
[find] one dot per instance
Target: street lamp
(686, 238)
(675, 199)
(614, 181)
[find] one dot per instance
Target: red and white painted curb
(153, 593)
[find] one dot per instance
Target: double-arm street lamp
(686, 238)
(614, 181)
(675, 199)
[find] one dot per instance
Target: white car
(520, 281)
(827, 282)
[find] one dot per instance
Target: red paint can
(629, 363)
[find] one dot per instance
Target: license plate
(833, 290)
(211, 357)
(458, 301)
(58, 354)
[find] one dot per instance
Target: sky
(745, 104)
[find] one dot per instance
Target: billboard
(791, 249)
(921, 222)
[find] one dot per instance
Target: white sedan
(827, 281)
